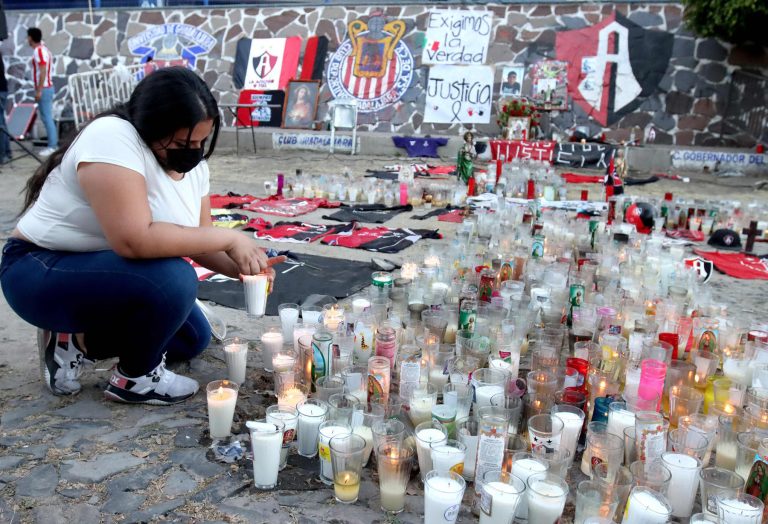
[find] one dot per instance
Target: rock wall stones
(686, 109)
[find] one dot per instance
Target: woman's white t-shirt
(62, 218)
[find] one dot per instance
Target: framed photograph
(512, 81)
(550, 85)
(518, 128)
(301, 104)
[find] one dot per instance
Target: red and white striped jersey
(42, 57)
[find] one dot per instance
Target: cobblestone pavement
(83, 459)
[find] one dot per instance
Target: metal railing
(94, 92)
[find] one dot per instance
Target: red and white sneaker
(159, 387)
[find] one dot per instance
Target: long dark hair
(165, 101)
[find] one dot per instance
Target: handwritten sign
(457, 37)
(311, 142)
(541, 151)
(459, 94)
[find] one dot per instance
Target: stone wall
(684, 107)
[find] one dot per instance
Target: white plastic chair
(343, 115)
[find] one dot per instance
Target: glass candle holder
(328, 430)
(524, 465)
(747, 447)
(728, 391)
(236, 357)
(467, 432)
(572, 397)
(683, 401)
(503, 492)
(333, 316)
(716, 482)
(256, 289)
(448, 455)
(573, 422)
(421, 400)
(706, 363)
(322, 342)
(614, 481)
(362, 423)
(327, 386)
(289, 418)
(388, 432)
(601, 447)
(740, 509)
(653, 475)
(311, 413)
(266, 441)
(682, 488)
(594, 501)
(544, 432)
(487, 383)
(222, 399)
(289, 316)
(705, 334)
(458, 396)
(492, 440)
(704, 424)
(729, 425)
(341, 406)
(290, 391)
(546, 496)
(285, 361)
(378, 379)
(683, 440)
(394, 464)
(356, 382)
(619, 417)
(426, 434)
(647, 506)
(443, 493)
(652, 375)
(347, 463)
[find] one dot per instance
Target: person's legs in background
(5, 143)
(45, 108)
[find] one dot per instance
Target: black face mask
(182, 160)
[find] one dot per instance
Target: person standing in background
(5, 143)
(42, 65)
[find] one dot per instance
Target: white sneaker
(48, 151)
(61, 362)
(159, 387)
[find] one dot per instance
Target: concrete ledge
(646, 159)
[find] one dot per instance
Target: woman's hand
(250, 258)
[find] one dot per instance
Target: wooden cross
(751, 233)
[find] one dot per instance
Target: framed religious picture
(518, 128)
(512, 81)
(549, 85)
(301, 104)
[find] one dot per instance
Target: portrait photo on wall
(301, 104)
(550, 84)
(512, 81)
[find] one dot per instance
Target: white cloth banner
(459, 94)
(457, 37)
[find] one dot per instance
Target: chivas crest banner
(373, 65)
(613, 65)
(266, 63)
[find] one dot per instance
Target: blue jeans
(5, 142)
(45, 108)
(132, 309)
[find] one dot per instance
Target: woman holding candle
(95, 261)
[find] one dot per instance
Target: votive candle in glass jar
(379, 369)
(652, 375)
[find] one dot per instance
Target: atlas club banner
(266, 63)
(576, 155)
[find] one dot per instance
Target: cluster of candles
(501, 367)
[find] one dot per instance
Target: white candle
(221, 410)
(447, 458)
(290, 421)
(392, 495)
(299, 331)
(644, 508)
(367, 434)
(483, 394)
(288, 318)
(424, 438)
(684, 482)
(546, 501)
(442, 500)
(310, 418)
(739, 512)
(618, 420)
(311, 316)
(505, 498)
(725, 457)
(324, 449)
(450, 333)
(236, 357)
(266, 441)
(359, 305)
(523, 469)
(470, 459)
(282, 363)
(291, 398)
(273, 343)
(437, 377)
(255, 294)
(572, 425)
(420, 409)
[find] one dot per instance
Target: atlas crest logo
(613, 65)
